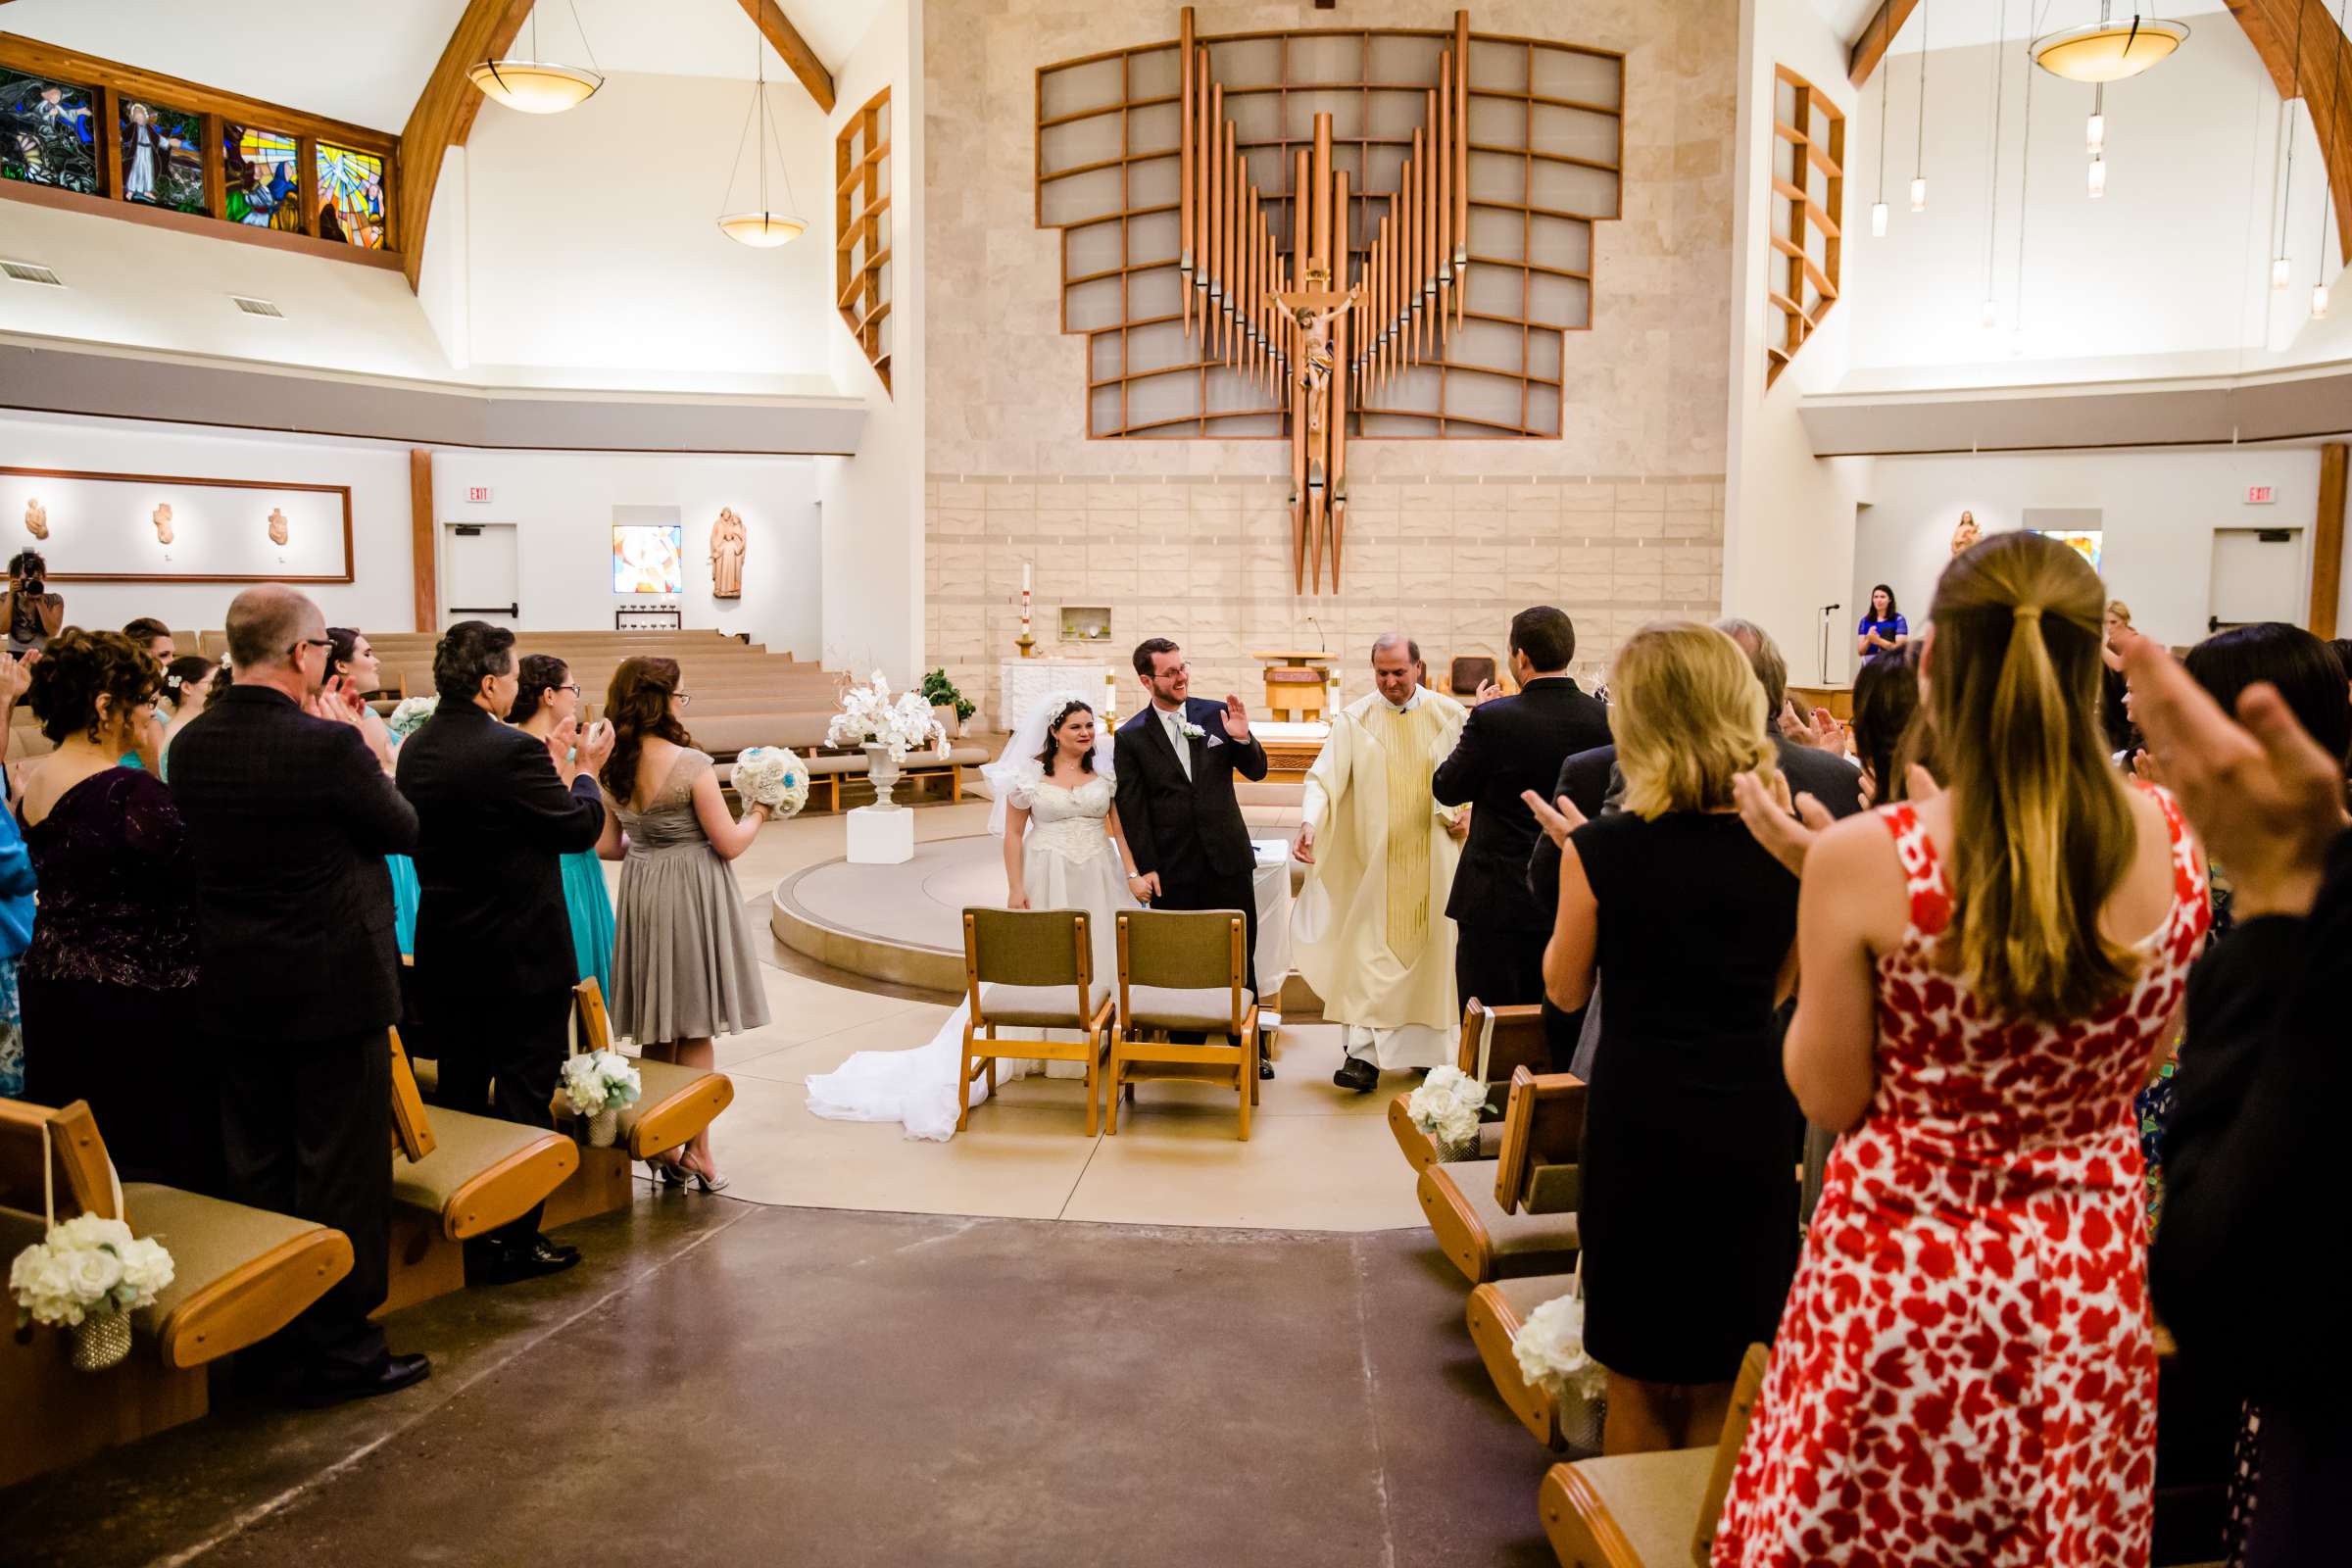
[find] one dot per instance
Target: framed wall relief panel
(140, 527)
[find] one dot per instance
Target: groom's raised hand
(1237, 718)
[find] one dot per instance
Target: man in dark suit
(1176, 760)
(496, 811)
(290, 816)
(1511, 744)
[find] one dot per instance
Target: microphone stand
(1825, 640)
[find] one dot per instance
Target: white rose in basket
(598, 1081)
(870, 716)
(1448, 1106)
(86, 1267)
(772, 776)
(1550, 1349)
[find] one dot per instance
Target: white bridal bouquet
(1447, 1106)
(598, 1084)
(409, 714)
(1551, 1350)
(773, 777)
(870, 716)
(89, 1275)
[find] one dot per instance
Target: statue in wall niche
(163, 522)
(36, 519)
(728, 543)
(1965, 537)
(278, 526)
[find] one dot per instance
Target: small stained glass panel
(262, 171)
(48, 133)
(350, 196)
(163, 156)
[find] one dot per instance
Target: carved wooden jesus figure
(36, 519)
(162, 523)
(728, 543)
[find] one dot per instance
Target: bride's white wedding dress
(1067, 862)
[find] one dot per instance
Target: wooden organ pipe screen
(861, 230)
(1808, 204)
(1489, 198)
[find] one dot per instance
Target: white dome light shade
(2109, 51)
(765, 230)
(535, 87)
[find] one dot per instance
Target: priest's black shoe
(1358, 1074)
(508, 1265)
(1265, 1063)
(393, 1374)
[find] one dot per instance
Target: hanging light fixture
(763, 227)
(1878, 208)
(2025, 206)
(539, 86)
(1919, 154)
(2109, 51)
(2094, 136)
(2097, 183)
(1992, 169)
(2281, 268)
(2335, 102)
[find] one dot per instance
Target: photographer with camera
(30, 612)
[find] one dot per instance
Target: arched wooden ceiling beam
(1877, 35)
(777, 28)
(444, 114)
(2273, 27)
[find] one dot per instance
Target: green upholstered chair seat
(682, 1100)
(1171, 1008)
(1039, 1006)
(1654, 1497)
(1523, 1293)
(468, 1148)
(1508, 1234)
(207, 1238)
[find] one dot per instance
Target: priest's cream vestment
(1377, 948)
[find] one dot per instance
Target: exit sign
(2260, 495)
(481, 493)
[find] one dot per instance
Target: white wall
(561, 506)
(382, 594)
(2159, 511)
(872, 501)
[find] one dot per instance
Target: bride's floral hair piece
(1064, 706)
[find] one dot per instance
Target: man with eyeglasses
(497, 809)
(290, 816)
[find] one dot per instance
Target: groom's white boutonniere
(1189, 731)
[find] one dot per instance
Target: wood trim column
(2327, 540)
(424, 540)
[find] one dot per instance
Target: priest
(1370, 931)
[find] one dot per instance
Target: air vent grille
(31, 272)
(253, 307)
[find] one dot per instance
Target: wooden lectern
(1294, 682)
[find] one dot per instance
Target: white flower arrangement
(598, 1081)
(1550, 1349)
(86, 1267)
(1448, 1106)
(409, 714)
(1189, 731)
(870, 716)
(773, 777)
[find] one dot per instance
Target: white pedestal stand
(881, 838)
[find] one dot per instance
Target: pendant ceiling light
(538, 86)
(763, 227)
(2025, 205)
(2280, 267)
(2094, 136)
(1919, 153)
(2108, 50)
(1878, 208)
(1992, 314)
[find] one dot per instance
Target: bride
(1064, 850)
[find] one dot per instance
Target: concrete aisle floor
(725, 1382)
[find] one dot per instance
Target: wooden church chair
(1647, 1510)
(1515, 1213)
(239, 1275)
(1183, 971)
(1495, 1043)
(1030, 971)
(674, 1102)
(456, 1176)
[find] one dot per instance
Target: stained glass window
(350, 196)
(261, 175)
(163, 156)
(48, 133)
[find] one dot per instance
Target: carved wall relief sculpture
(162, 523)
(36, 519)
(278, 526)
(729, 542)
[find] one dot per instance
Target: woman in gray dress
(684, 969)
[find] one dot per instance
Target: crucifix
(1312, 310)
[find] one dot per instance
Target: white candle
(1024, 577)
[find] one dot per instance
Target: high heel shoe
(667, 1172)
(702, 1180)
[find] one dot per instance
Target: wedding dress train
(1067, 862)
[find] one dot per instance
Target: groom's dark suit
(1189, 830)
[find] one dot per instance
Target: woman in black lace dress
(112, 953)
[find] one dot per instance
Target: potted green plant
(941, 692)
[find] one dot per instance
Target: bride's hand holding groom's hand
(1142, 886)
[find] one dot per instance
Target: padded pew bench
(1494, 1042)
(1514, 1214)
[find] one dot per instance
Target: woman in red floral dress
(1964, 1372)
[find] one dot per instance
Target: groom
(1175, 762)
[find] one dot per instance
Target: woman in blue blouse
(545, 697)
(1883, 630)
(350, 660)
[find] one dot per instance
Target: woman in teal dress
(545, 696)
(352, 662)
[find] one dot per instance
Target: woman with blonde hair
(1688, 1215)
(1964, 1372)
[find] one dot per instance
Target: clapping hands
(1236, 719)
(1557, 823)
(1822, 732)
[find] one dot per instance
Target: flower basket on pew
(1550, 1349)
(1446, 1107)
(598, 1083)
(87, 1276)
(773, 777)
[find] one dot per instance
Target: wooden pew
(239, 1275)
(1515, 1213)
(1510, 1038)
(674, 1103)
